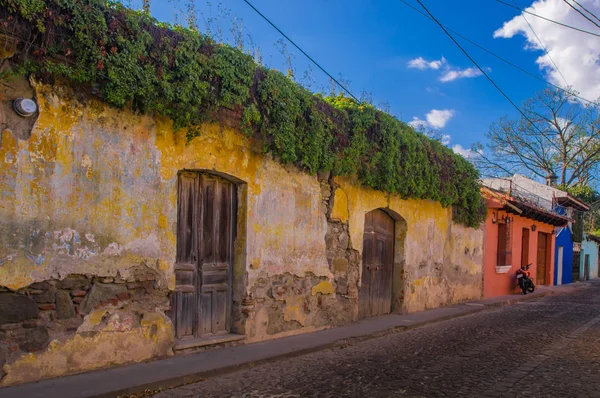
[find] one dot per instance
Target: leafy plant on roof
(137, 62)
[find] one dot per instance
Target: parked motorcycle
(524, 279)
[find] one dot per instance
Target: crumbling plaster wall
(442, 261)
(92, 194)
(91, 197)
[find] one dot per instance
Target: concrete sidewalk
(184, 369)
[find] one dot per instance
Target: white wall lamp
(25, 107)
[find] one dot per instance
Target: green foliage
(27, 9)
(584, 193)
(137, 62)
(586, 221)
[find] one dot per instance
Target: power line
(499, 57)
(478, 67)
(302, 51)
(582, 14)
(548, 19)
(586, 10)
(543, 47)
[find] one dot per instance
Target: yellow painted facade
(93, 192)
(433, 244)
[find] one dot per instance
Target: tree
(590, 221)
(560, 136)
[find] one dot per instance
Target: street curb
(341, 343)
(462, 310)
(520, 299)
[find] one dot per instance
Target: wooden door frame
(398, 277)
(238, 276)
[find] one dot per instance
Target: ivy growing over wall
(134, 61)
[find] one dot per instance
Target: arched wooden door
(375, 296)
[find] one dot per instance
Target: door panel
(525, 247)
(542, 253)
(206, 228)
(364, 301)
(186, 269)
(375, 296)
(575, 265)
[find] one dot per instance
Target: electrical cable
(586, 10)
(548, 19)
(543, 47)
(582, 14)
(499, 57)
(302, 51)
(479, 67)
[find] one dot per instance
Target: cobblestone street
(543, 348)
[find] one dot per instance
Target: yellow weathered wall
(443, 260)
(93, 192)
(116, 343)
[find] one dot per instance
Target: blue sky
(371, 45)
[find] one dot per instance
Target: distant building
(551, 199)
(590, 256)
(520, 229)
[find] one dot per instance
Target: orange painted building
(517, 232)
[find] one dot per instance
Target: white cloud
(465, 152)
(453, 74)
(437, 118)
(576, 54)
(417, 123)
(421, 63)
(449, 73)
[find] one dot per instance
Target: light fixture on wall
(533, 227)
(506, 219)
(494, 217)
(25, 107)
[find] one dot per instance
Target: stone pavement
(352, 361)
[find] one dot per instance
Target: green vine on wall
(135, 61)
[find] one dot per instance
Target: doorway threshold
(207, 340)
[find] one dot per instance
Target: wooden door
(542, 253)
(378, 260)
(575, 265)
(586, 267)
(525, 247)
(205, 232)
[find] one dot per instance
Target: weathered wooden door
(206, 209)
(525, 247)
(542, 252)
(377, 265)
(575, 265)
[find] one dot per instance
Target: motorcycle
(524, 279)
